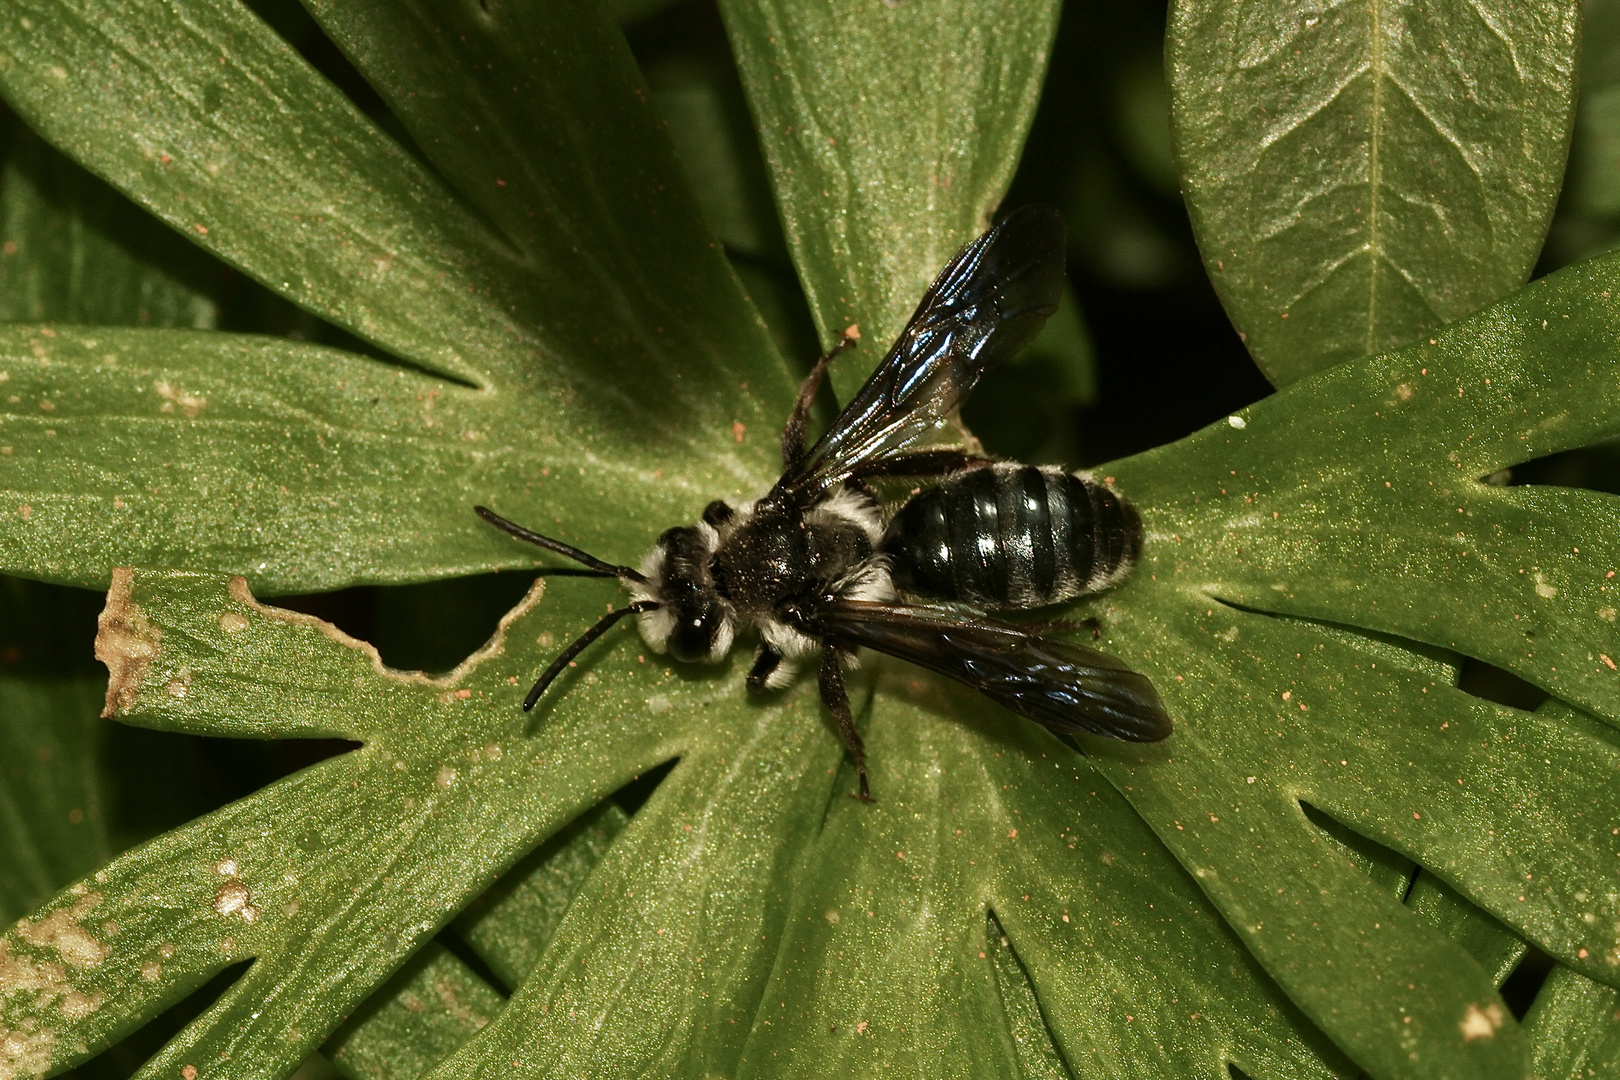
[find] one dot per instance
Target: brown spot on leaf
(127, 642)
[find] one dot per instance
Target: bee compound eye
(693, 637)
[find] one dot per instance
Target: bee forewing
(1056, 682)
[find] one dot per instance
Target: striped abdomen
(1012, 536)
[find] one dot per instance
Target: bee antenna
(603, 625)
(601, 569)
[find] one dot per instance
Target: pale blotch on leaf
(127, 642)
(60, 930)
(25, 1053)
(233, 622)
(235, 898)
(1480, 1023)
(176, 398)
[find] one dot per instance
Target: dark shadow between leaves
(1593, 467)
(1520, 990)
(294, 25)
(430, 627)
(160, 780)
(127, 1055)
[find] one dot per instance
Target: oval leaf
(1360, 174)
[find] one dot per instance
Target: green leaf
(280, 461)
(524, 263)
(1572, 1028)
(431, 1006)
(674, 933)
(509, 925)
(668, 369)
(1497, 948)
(666, 948)
(891, 148)
(887, 963)
(330, 878)
(436, 1002)
(72, 249)
(1378, 518)
(1358, 176)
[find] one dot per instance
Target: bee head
(692, 622)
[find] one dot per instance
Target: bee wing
(1053, 681)
(988, 303)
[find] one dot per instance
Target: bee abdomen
(1008, 536)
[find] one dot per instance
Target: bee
(812, 568)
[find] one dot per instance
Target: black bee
(811, 566)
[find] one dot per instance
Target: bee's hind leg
(836, 699)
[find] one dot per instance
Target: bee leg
(793, 430)
(837, 702)
(924, 463)
(1049, 626)
(767, 661)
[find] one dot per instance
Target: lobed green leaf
(329, 879)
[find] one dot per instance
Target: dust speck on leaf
(127, 642)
